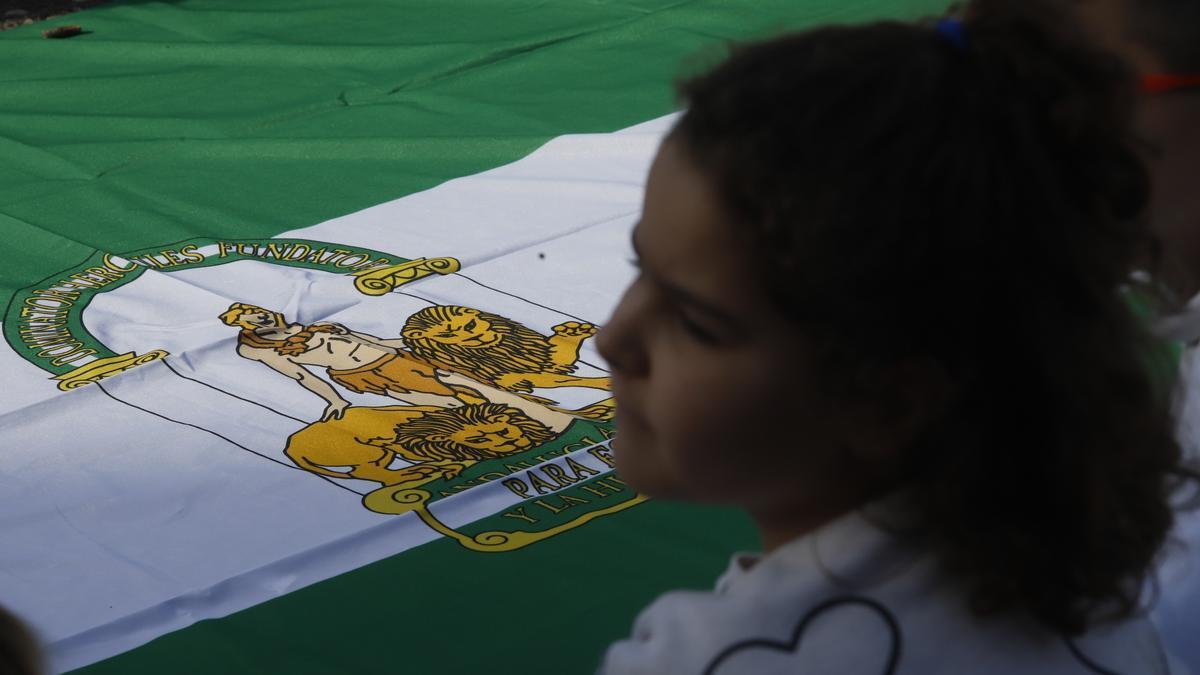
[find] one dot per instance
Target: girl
(879, 308)
(19, 652)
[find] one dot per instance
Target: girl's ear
(413, 333)
(893, 405)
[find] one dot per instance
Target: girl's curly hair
(976, 204)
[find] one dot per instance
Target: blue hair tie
(952, 31)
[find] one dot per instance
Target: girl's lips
(625, 406)
(627, 416)
(629, 411)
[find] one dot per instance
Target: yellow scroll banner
(103, 368)
(383, 280)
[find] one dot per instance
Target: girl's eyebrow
(681, 295)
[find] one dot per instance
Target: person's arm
(335, 404)
(391, 345)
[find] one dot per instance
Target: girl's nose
(622, 340)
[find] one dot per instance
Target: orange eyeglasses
(1162, 83)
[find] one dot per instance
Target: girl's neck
(776, 528)
(799, 517)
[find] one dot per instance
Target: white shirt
(854, 598)
(1178, 610)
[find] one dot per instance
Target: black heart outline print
(793, 645)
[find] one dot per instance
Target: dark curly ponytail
(976, 205)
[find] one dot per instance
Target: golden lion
(440, 441)
(497, 350)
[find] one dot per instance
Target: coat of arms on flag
(420, 402)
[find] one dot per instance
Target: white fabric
(886, 610)
(1177, 611)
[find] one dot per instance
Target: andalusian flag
(298, 374)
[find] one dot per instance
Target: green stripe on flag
(226, 119)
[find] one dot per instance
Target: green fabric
(228, 118)
(1163, 357)
(547, 608)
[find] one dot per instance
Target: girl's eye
(694, 329)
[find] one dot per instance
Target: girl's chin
(636, 467)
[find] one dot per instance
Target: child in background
(1161, 40)
(879, 308)
(18, 648)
